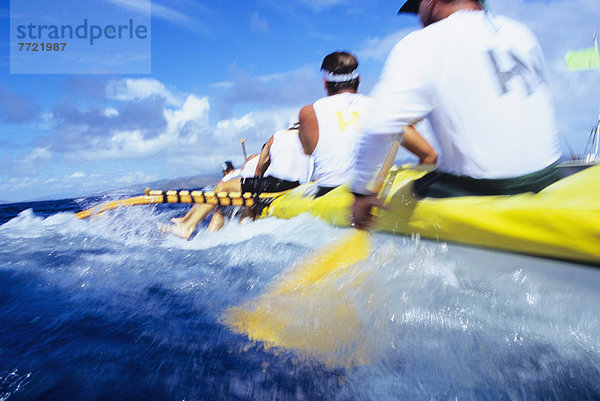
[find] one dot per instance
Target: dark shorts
(323, 191)
(442, 185)
(258, 185)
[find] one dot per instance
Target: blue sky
(229, 69)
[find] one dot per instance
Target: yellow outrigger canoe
(562, 221)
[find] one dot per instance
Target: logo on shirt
(513, 71)
(343, 123)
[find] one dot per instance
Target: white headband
(331, 77)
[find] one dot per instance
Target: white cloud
(38, 154)
(135, 125)
(256, 126)
(30, 164)
(194, 109)
(319, 5)
(379, 48)
(227, 130)
(128, 145)
(289, 88)
(134, 177)
(130, 89)
(111, 112)
(17, 184)
(181, 134)
(139, 6)
(170, 15)
(144, 6)
(258, 23)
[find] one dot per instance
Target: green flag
(583, 60)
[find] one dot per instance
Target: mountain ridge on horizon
(191, 182)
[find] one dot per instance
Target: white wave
(28, 225)
(304, 231)
(12, 382)
(475, 309)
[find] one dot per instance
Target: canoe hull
(562, 221)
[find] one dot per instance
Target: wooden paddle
(243, 142)
(278, 317)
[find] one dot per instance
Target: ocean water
(111, 309)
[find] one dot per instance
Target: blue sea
(109, 308)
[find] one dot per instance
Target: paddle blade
(304, 311)
(330, 261)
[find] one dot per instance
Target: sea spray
(110, 308)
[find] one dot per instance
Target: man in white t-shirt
(479, 80)
(329, 128)
(281, 165)
(184, 226)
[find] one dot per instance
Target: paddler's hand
(361, 210)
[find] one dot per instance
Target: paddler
(330, 126)
(282, 165)
(229, 173)
(479, 80)
(218, 219)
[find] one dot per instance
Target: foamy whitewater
(111, 309)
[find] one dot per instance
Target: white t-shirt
(288, 160)
(339, 118)
(232, 175)
(480, 82)
(249, 168)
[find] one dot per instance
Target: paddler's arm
(362, 218)
(416, 144)
(264, 159)
(370, 153)
(401, 97)
(309, 129)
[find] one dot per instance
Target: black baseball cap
(412, 6)
(228, 166)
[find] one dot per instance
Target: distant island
(195, 182)
(189, 183)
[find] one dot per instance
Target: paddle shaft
(389, 160)
(272, 318)
(243, 141)
(362, 208)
